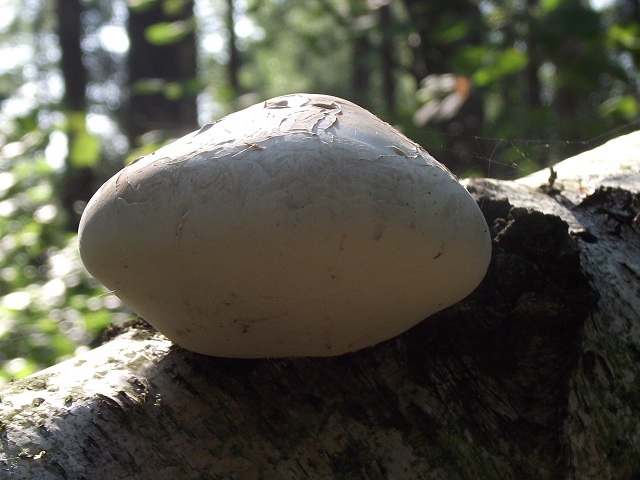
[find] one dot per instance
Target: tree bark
(387, 64)
(460, 135)
(77, 183)
(233, 66)
(535, 375)
(161, 76)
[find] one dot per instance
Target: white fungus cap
(300, 226)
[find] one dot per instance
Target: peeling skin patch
(399, 151)
(276, 104)
(249, 146)
(329, 105)
(326, 122)
(205, 128)
(316, 121)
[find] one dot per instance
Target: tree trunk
(459, 138)
(70, 34)
(535, 375)
(233, 66)
(77, 182)
(387, 63)
(361, 70)
(162, 73)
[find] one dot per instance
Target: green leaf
(625, 106)
(148, 86)
(452, 33)
(140, 5)
(96, 321)
(511, 61)
(170, 90)
(625, 35)
(549, 5)
(499, 64)
(192, 86)
(469, 58)
(173, 91)
(76, 120)
(174, 7)
(168, 33)
(85, 150)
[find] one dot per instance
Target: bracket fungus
(300, 226)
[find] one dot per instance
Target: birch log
(535, 375)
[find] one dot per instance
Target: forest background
(489, 88)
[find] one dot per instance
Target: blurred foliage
(166, 33)
(489, 88)
(50, 308)
(84, 147)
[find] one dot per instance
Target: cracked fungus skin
(300, 226)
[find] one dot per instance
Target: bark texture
(535, 375)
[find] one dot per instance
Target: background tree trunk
(387, 63)
(460, 135)
(162, 70)
(532, 376)
(78, 181)
(233, 67)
